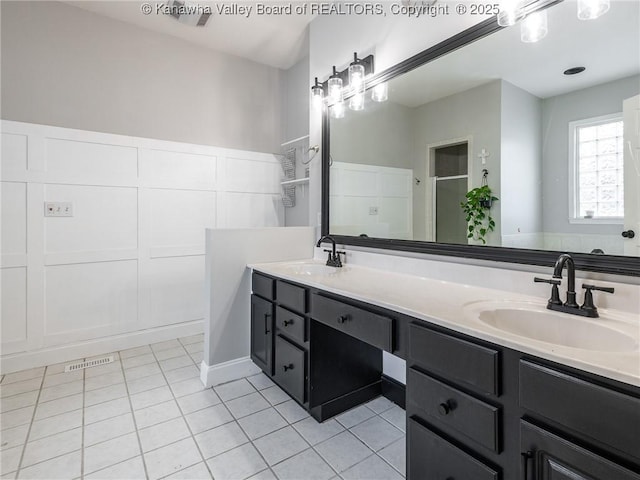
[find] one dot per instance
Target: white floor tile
(151, 397)
(187, 387)
(175, 363)
(197, 357)
(243, 406)
(171, 353)
(134, 352)
(52, 446)
(291, 411)
(63, 467)
(18, 401)
(108, 429)
(239, 463)
(372, 468)
(145, 383)
(23, 375)
(16, 388)
(262, 423)
(60, 391)
(137, 361)
(132, 469)
(380, 404)
(343, 451)
(102, 381)
(314, 432)
(235, 389)
(13, 437)
(260, 381)
(111, 452)
(397, 417)
(105, 394)
(263, 475)
(208, 418)
(102, 369)
(395, 455)
(198, 471)
(275, 395)
(106, 410)
(172, 458)
(308, 465)
(220, 439)
(157, 414)
(9, 459)
(377, 433)
(142, 371)
(199, 338)
(198, 401)
(163, 434)
(64, 377)
(182, 373)
(195, 347)
(17, 417)
(280, 445)
(56, 424)
(56, 407)
(157, 347)
(353, 417)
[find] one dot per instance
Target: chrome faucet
(333, 260)
(587, 309)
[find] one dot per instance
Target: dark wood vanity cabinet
(475, 410)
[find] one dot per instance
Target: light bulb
(380, 93)
(337, 110)
(534, 27)
(335, 89)
(592, 9)
(510, 12)
(357, 102)
(316, 94)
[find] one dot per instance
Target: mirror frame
(612, 264)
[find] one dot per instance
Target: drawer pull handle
(288, 367)
(343, 318)
(445, 407)
(288, 322)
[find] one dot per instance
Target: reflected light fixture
(337, 110)
(534, 27)
(317, 94)
(380, 93)
(592, 9)
(335, 86)
(357, 102)
(356, 83)
(510, 12)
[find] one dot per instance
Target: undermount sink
(311, 269)
(535, 322)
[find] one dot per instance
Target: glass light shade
(337, 110)
(510, 12)
(356, 77)
(592, 9)
(380, 93)
(334, 86)
(534, 27)
(357, 102)
(316, 96)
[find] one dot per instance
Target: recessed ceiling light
(574, 70)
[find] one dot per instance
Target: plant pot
(486, 203)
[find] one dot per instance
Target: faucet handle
(555, 293)
(588, 288)
(552, 281)
(588, 305)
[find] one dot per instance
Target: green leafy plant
(477, 208)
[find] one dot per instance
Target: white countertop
(451, 305)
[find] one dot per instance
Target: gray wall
(64, 66)
(521, 162)
(557, 112)
(475, 112)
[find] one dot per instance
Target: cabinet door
(262, 334)
(549, 457)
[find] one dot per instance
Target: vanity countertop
(450, 304)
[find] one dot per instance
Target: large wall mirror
(559, 151)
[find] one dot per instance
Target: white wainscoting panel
(128, 266)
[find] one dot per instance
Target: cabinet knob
(288, 367)
(445, 407)
(288, 322)
(343, 318)
(628, 234)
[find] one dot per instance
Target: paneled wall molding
(131, 256)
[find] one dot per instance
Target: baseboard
(89, 348)
(212, 375)
(345, 402)
(394, 391)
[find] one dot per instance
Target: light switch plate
(58, 209)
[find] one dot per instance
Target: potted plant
(476, 208)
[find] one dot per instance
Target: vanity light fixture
(317, 94)
(592, 9)
(335, 86)
(534, 27)
(510, 12)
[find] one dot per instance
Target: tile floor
(148, 416)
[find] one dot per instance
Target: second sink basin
(535, 322)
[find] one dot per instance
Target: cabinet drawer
(291, 296)
(457, 359)
(262, 285)
(374, 329)
(432, 457)
(604, 415)
(560, 459)
(290, 324)
(290, 368)
(441, 404)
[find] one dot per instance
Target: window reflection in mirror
(401, 168)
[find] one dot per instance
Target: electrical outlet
(58, 209)
(373, 210)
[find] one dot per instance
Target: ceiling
(274, 40)
(609, 48)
